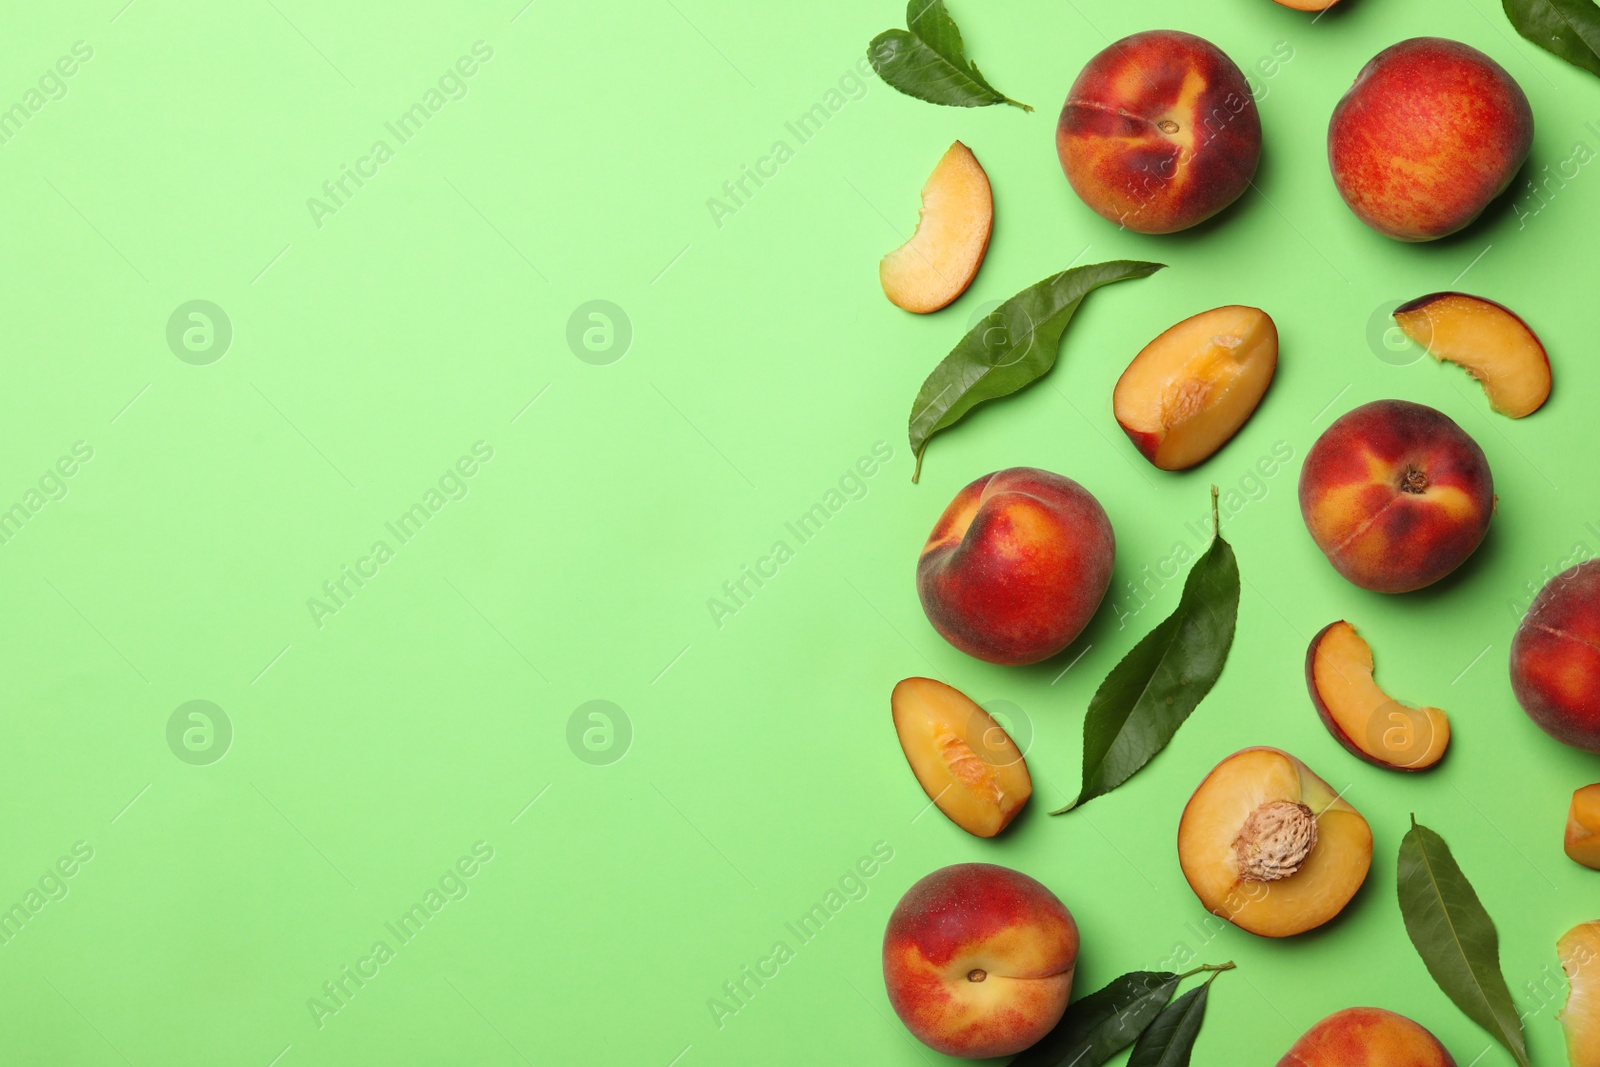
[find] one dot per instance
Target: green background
(740, 769)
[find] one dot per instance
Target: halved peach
(1579, 950)
(1490, 341)
(1363, 718)
(1307, 5)
(1583, 827)
(943, 256)
(1188, 391)
(964, 760)
(1271, 847)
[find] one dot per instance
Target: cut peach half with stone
(1490, 341)
(1363, 718)
(1579, 950)
(943, 256)
(1583, 827)
(964, 760)
(1188, 391)
(1271, 847)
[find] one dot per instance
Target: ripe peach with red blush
(978, 960)
(1159, 132)
(1016, 566)
(1396, 495)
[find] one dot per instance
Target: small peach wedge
(1364, 719)
(1188, 391)
(1583, 827)
(964, 760)
(943, 256)
(1269, 846)
(1488, 340)
(1307, 5)
(1579, 950)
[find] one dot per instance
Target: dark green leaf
(1455, 937)
(1103, 1023)
(927, 60)
(1013, 346)
(1169, 1042)
(1569, 29)
(1138, 708)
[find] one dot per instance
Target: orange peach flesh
(1579, 950)
(1188, 391)
(1489, 341)
(966, 763)
(942, 257)
(1583, 827)
(1361, 716)
(1367, 1037)
(1211, 844)
(1307, 5)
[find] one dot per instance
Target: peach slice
(1360, 716)
(1487, 339)
(1271, 847)
(1188, 391)
(965, 761)
(1583, 827)
(1579, 950)
(943, 256)
(1306, 5)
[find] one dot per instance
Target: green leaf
(1013, 346)
(928, 61)
(1455, 937)
(1569, 29)
(1103, 1023)
(1169, 1042)
(1138, 708)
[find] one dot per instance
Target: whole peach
(1396, 495)
(1367, 1037)
(1159, 132)
(978, 960)
(1016, 566)
(1555, 657)
(1430, 133)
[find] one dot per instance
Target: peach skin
(1555, 657)
(1016, 566)
(1430, 133)
(1367, 1037)
(978, 960)
(1159, 132)
(1396, 495)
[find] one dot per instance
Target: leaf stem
(1015, 103)
(1214, 968)
(1216, 520)
(916, 471)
